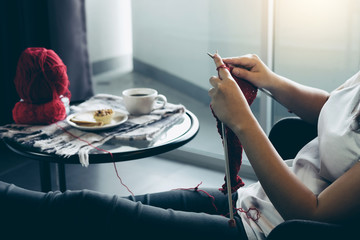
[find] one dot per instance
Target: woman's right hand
(251, 68)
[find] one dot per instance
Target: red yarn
(29, 113)
(196, 189)
(40, 81)
(234, 145)
(99, 149)
(231, 221)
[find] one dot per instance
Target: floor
(151, 174)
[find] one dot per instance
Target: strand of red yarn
(247, 212)
(248, 215)
(203, 191)
(99, 149)
(222, 66)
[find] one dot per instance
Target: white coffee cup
(140, 101)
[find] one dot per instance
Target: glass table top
(174, 136)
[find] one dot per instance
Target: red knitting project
(41, 81)
(234, 145)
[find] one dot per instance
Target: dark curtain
(58, 25)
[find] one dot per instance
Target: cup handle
(161, 98)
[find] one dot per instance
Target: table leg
(45, 176)
(61, 176)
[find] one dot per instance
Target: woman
(323, 183)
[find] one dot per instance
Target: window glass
(316, 43)
(176, 35)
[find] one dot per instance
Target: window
(316, 43)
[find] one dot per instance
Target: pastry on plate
(104, 115)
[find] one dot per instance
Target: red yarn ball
(46, 113)
(40, 76)
(40, 81)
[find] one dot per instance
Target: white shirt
(319, 163)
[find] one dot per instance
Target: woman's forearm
(338, 203)
(290, 197)
(306, 102)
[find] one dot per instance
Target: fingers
(214, 81)
(212, 92)
(240, 72)
(247, 61)
(220, 65)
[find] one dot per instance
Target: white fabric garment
(319, 163)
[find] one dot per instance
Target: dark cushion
(308, 230)
(289, 135)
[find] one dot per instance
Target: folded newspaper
(62, 139)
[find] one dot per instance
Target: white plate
(118, 118)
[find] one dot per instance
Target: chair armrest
(290, 134)
(310, 230)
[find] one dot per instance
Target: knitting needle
(227, 171)
(211, 55)
(266, 92)
(227, 175)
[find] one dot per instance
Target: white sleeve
(350, 82)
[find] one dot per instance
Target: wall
(109, 34)
(175, 36)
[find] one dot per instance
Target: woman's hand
(304, 101)
(227, 100)
(251, 68)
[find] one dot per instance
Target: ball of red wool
(40, 81)
(40, 76)
(46, 113)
